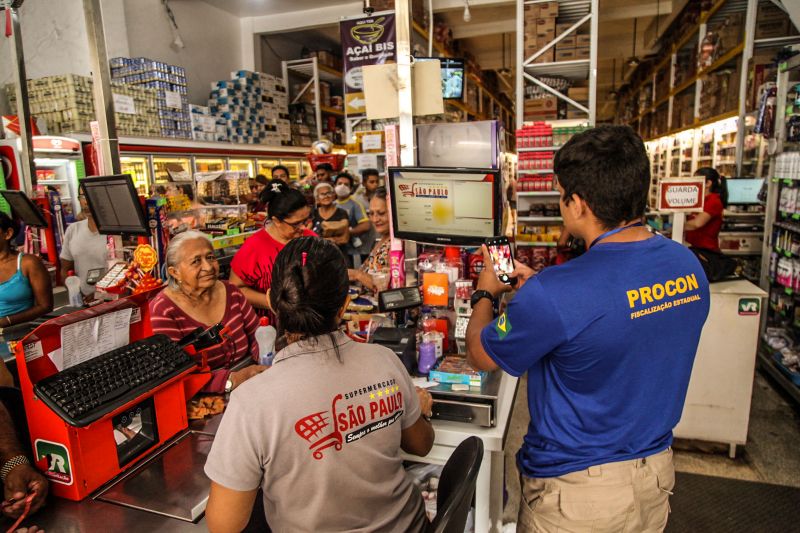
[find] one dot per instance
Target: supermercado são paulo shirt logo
(352, 416)
(52, 458)
(663, 296)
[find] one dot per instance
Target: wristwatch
(480, 294)
(228, 386)
(11, 464)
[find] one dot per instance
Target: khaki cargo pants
(628, 496)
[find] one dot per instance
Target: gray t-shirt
(321, 437)
(89, 251)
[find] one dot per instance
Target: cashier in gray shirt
(84, 250)
(321, 430)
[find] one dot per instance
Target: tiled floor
(771, 454)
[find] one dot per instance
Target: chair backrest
(456, 487)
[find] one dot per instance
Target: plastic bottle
(265, 337)
(427, 358)
(73, 284)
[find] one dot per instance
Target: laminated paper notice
(89, 338)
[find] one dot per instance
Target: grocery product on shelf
(207, 126)
(169, 83)
(254, 107)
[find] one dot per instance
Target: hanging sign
(173, 99)
(681, 194)
(365, 41)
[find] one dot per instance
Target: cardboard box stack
(169, 82)
(207, 126)
(254, 108)
(66, 105)
(540, 29)
(772, 22)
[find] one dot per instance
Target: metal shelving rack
(577, 12)
(311, 70)
(787, 71)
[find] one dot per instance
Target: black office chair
(457, 487)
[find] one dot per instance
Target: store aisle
(769, 457)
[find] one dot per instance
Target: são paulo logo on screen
(425, 190)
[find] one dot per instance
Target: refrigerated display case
(139, 170)
(59, 164)
(208, 165)
(242, 165)
(169, 169)
(298, 167)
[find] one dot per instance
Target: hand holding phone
(502, 259)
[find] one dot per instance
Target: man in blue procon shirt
(608, 341)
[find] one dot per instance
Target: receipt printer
(402, 341)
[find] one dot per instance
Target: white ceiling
(256, 8)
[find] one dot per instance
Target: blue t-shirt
(608, 341)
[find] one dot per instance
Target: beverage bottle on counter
(427, 358)
(265, 337)
(73, 284)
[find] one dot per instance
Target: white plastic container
(265, 337)
(73, 284)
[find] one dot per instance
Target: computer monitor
(743, 190)
(115, 205)
(23, 208)
(452, 76)
(458, 206)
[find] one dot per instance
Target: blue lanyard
(614, 232)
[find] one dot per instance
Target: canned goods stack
(169, 83)
(254, 108)
(207, 126)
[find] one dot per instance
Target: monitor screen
(115, 205)
(445, 205)
(452, 76)
(743, 190)
(23, 208)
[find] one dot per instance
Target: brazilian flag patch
(502, 326)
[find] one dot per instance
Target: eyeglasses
(326, 194)
(299, 224)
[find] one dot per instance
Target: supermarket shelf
(539, 219)
(538, 149)
(326, 73)
(739, 214)
(546, 194)
(458, 104)
(699, 124)
(741, 252)
(331, 111)
(424, 34)
(770, 367)
(54, 182)
(577, 69)
(537, 244)
(540, 171)
(776, 42)
(225, 241)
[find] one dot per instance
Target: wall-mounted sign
(365, 41)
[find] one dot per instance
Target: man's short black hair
(325, 166)
(608, 168)
(347, 176)
(279, 167)
(369, 172)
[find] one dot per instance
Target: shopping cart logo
(52, 458)
(313, 429)
(430, 190)
(749, 306)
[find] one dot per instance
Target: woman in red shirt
(289, 217)
(702, 229)
(195, 298)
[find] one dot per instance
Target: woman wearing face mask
(195, 298)
(289, 217)
(288, 432)
(378, 260)
(328, 220)
(357, 213)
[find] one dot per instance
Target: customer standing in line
(329, 221)
(608, 341)
(288, 217)
(320, 432)
(357, 213)
(25, 289)
(84, 250)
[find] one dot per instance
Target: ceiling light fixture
(368, 9)
(467, 14)
(633, 61)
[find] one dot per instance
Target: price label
(371, 142)
(124, 104)
(173, 99)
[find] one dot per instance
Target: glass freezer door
(209, 165)
(169, 169)
(242, 165)
(265, 167)
(139, 169)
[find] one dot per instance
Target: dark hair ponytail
(281, 200)
(718, 185)
(307, 298)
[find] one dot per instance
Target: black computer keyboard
(87, 391)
